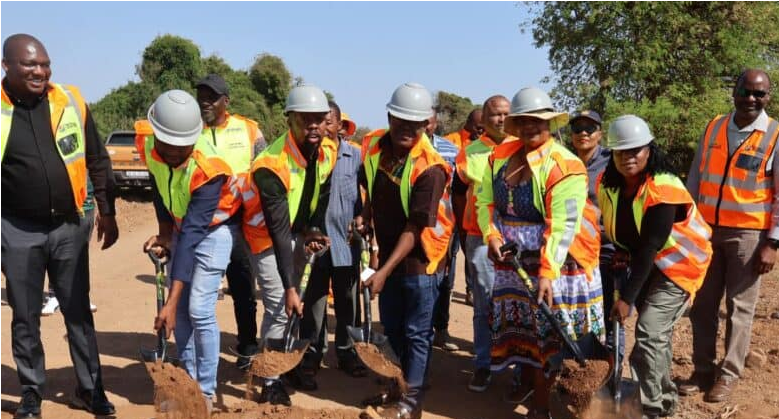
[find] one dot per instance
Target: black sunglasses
(758, 94)
(578, 129)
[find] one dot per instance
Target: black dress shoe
(30, 406)
(93, 401)
(301, 379)
(275, 393)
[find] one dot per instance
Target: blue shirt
(344, 204)
(446, 149)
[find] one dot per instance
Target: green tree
(271, 78)
(672, 63)
(452, 110)
(171, 62)
(119, 109)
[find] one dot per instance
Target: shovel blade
(628, 406)
(274, 360)
(356, 333)
(382, 343)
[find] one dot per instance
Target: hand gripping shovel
(578, 379)
(372, 347)
(282, 355)
(622, 395)
(161, 352)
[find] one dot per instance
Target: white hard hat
(175, 118)
(411, 102)
(629, 131)
(306, 98)
(534, 102)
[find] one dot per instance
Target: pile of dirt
(581, 383)
(269, 363)
(179, 393)
(250, 410)
(372, 357)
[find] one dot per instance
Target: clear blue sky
(359, 51)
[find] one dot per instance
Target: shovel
(621, 394)
(372, 347)
(282, 355)
(161, 352)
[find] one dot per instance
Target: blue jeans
(406, 307)
(484, 277)
(197, 332)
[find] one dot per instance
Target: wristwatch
(774, 243)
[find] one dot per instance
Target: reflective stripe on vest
(471, 162)
(176, 185)
(68, 118)
(737, 190)
(434, 240)
(686, 254)
(233, 142)
(559, 181)
(282, 157)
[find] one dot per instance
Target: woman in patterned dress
(534, 193)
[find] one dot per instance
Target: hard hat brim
(407, 116)
(629, 144)
(557, 120)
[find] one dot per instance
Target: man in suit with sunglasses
(733, 179)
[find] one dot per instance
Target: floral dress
(520, 332)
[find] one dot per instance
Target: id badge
(749, 162)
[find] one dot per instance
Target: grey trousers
(659, 308)
(732, 274)
(30, 249)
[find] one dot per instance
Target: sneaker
(29, 407)
(275, 393)
(93, 401)
(50, 306)
(442, 340)
(480, 380)
(92, 308)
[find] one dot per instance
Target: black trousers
(241, 283)
(314, 321)
(444, 300)
(30, 249)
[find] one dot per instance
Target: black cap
(591, 115)
(216, 83)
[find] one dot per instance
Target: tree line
(672, 63)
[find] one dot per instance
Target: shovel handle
(513, 248)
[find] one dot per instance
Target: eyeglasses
(578, 129)
(758, 94)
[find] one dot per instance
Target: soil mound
(269, 363)
(250, 410)
(175, 392)
(581, 383)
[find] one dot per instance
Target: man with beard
(283, 209)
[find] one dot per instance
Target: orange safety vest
(283, 157)
(559, 180)
(176, 184)
(685, 256)
(736, 191)
(434, 240)
(461, 138)
(68, 118)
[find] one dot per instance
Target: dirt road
(123, 290)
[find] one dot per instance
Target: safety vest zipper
(724, 178)
(213, 135)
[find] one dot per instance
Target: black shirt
(35, 182)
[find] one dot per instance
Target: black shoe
(93, 401)
(350, 363)
(30, 406)
(275, 393)
(245, 357)
(301, 379)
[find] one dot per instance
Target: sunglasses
(578, 129)
(758, 94)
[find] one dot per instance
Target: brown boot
(698, 382)
(721, 390)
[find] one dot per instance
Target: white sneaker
(92, 308)
(50, 307)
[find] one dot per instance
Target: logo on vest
(66, 126)
(68, 145)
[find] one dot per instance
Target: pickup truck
(129, 169)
